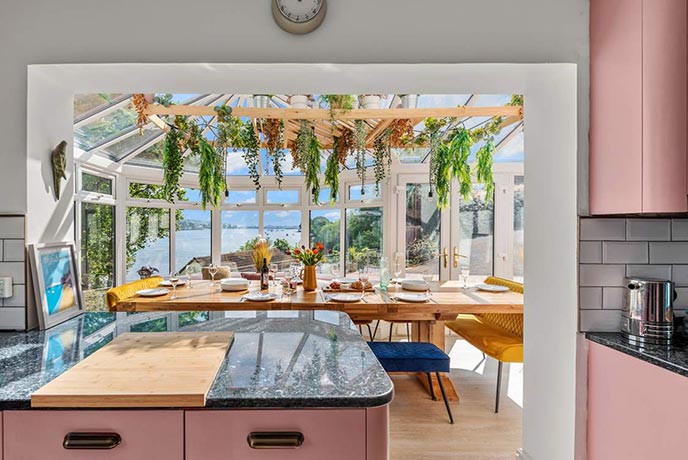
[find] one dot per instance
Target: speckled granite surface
(674, 359)
(278, 359)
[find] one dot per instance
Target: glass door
(423, 236)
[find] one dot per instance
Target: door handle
(456, 257)
(275, 440)
(91, 441)
(445, 255)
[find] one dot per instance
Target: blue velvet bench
(414, 357)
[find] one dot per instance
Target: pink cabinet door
(145, 435)
(664, 106)
(327, 434)
(616, 122)
(636, 411)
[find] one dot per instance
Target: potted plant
(309, 257)
(370, 101)
(261, 101)
(409, 101)
(300, 101)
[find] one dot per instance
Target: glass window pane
(90, 103)
(282, 196)
(476, 222)
(239, 232)
(105, 128)
(325, 227)
(365, 193)
(241, 197)
(192, 195)
(363, 237)
(97, 253)
(519, 186)
(283, 230)
(192, 240)
(96, 184)
(139, 190)
(120, 149)
(236, 165)
(324, 196)
(422, 232)
(148, 241)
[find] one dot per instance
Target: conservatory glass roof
(105, 124)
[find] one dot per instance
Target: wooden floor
(420, 428)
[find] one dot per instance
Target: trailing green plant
(483, 167)
(432, 135)
(332, 174)
(360, 139)
(273, 130)
(250, 145)
(382, 156)
(172, 164)
(307, 157)
(460, 149)
(211, 174)
(227, 136)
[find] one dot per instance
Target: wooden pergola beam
(355, 114)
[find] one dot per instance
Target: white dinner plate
(492, 288)
(155, 292)
(234, 284)
(167, 283)
(345, 298)
(404, 297)
(259, 297)
(346, 280)
(414, 285)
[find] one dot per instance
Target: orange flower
(315, 251)
(319, 245)
(297, 251)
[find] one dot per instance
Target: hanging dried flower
(273, 130)
(140, 104)
(401, 132)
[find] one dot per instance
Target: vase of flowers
(309, 257)
(262, 251)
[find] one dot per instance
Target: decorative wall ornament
(58, 158)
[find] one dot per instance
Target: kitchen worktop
(279, 359)
(674, 359)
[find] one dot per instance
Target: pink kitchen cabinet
(145, 435)
(636, 410)
(638, 106)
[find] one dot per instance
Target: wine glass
(427, 277)
(363, 275)
(464, 274)
(273, 272)
(174, 280)
(188, 271)
(398, 270)
(288, 278)
(212, 269)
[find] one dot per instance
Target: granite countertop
(674, 359)
(278, 358)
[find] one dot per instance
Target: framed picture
(55, 283)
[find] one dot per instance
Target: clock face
(299, 11)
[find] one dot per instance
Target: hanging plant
(211, 174)
(331, 179)
(432, 135)
(140, 104)
(483, 167)
(250, 145)
(227, 136)
(382, 156)
(344, 145)
(443, 174)
(460, 149)
(172, 164)
(307, 150)
(273, 130)
(360, 138)
(401, 133)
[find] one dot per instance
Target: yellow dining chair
(498, 335)
(127, 290)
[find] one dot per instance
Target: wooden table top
(448, 299)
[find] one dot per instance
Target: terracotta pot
(310, 282)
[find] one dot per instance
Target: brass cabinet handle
(275, 440)
(456, 257)
(445, 254)
(93, 441)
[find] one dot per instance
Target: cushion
(128, 290)
(410, 356)
(493, 341)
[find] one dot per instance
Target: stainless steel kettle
(648, 314)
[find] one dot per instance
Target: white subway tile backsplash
(591, 298)
(602, 229)
(679, 275)
(13, 269)
(668, 253)
(18, 298)
(613, 298)
(602, 275)
(590, 252)
(13, 251)
(624, 252)
(679, 230)
(11, 227)
(681, 301)
(660, 272)
(648, 230)
(600, 320)
(12, 318)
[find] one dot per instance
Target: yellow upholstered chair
(128, 290)
(498, 335)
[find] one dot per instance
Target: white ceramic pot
(299, 101)
(370, 101)
(261, 101)
(409, 101)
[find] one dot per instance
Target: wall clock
(299, 16)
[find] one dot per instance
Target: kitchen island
(302, 382)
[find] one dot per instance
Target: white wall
(355, 31)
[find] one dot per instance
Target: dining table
(445, 301)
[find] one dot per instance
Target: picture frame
(56, 286)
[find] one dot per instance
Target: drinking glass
(288, 278)
(188, 271)
(174, 280)
(398, 270)
(363, 275)
(427, 277)
(464, 274)
(273, 272)
(212, 269)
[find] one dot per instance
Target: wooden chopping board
(164, 369)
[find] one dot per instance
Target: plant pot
(261, 101)
(299, 101)
(409, 101)
(370, 101)
(310, 282)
